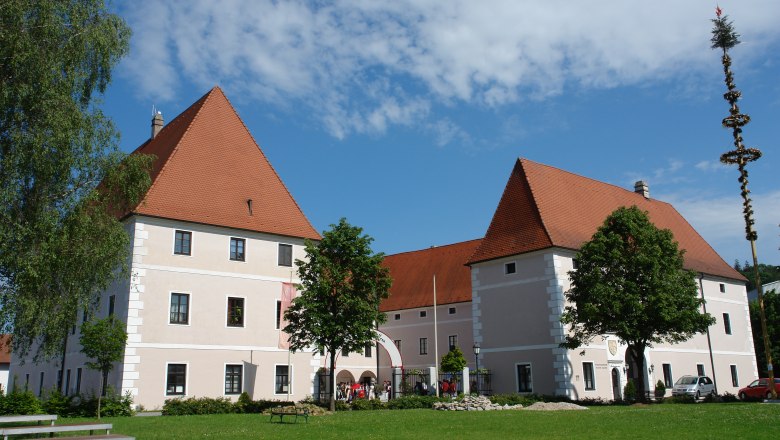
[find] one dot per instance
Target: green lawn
(668, 421)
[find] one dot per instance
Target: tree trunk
(62, 363)
(102, 392)
(332, 403)
(638, 353)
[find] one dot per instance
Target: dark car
(758, 389)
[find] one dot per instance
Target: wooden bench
(52, 429)
(290, 411)
(95, 437)
(31, 418)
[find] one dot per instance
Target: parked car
(696, 386)
(759, 389)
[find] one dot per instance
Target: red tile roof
(544, 207)
(208, 165)
(413, 272)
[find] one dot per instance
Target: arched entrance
(392, 350)
(345, 376)
(616, 393)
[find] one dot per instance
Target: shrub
(592, 401)
(413, 402)
(660, 389)
(367, 404)
(111, 405)
(629, 391)
(198, 405)
(20, 402)
(728, 398)
(680, 399)
(57, 403)
(342, 406)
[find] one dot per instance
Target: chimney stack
(157, 124)
(640, 187)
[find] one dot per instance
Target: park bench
(95, 437)
(31, 418)
(289, 411)
(6, 432)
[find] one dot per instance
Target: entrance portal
(616, 394)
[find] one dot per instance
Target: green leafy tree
(772, 312)
(61, 241)
(104, 341)
(342, 284)
(630, 282)
(453, 361)
(767, 272)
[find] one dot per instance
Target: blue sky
(406, 117)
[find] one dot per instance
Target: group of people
(447, 387)
(347, 391)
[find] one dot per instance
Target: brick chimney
(157, 124)
(640, 187)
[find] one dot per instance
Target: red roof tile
(208, 166)
(543, 207)
(413, 272)
(5, 349)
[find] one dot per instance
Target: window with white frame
(452, 341)
(397, 317)
(524, 380)
(182, 243)
(423, 345)
(233, 378)
(235, 312)
(180, 308)
(237, 247)
(282, 383)
(176, 382)
(285, 255)
(588, 376)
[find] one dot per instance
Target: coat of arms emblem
(612, 344)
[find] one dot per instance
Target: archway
(392, 350)
(345, 376)
(616, 393)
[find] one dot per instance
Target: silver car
(695, 386)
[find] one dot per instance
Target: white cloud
(720, 221)
(356, 64)
(711, 165)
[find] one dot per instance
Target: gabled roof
(413, 272)
(208, 166)
(5, 349)
(544, 207)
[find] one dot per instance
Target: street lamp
(476, 358)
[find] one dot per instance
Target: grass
(701, 421)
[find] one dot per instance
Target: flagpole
(289, 367)
(435, 337)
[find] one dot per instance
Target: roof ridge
(199, 104)
(435, 247)
(270, 165)
(538, 209)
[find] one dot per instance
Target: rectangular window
(181, 243)
(180, 308)
(423, 345)
(722, 288)
(177, 380)
(111, 304)
(700, 369)
(397, 343)
(451, 310)
(727, 323)
(26, 381)
(397, 317)
(668, 379)
(78, 381)
(423, 313)
(575, 263)
(452, 341)
(734, 376)
(587, 374)
(67, 382)
(237, 249)
(278, 314)
(40, 386)
(59, 379)
(367, 351)
(510, 268)
(282, 379)
(233, 378)
(235, 312)
(285, 255)
(524, 384)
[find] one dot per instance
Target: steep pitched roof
(208, 166)
(5, 349)
(543, 207)
(413, 272)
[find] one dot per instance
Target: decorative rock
(472, 403)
